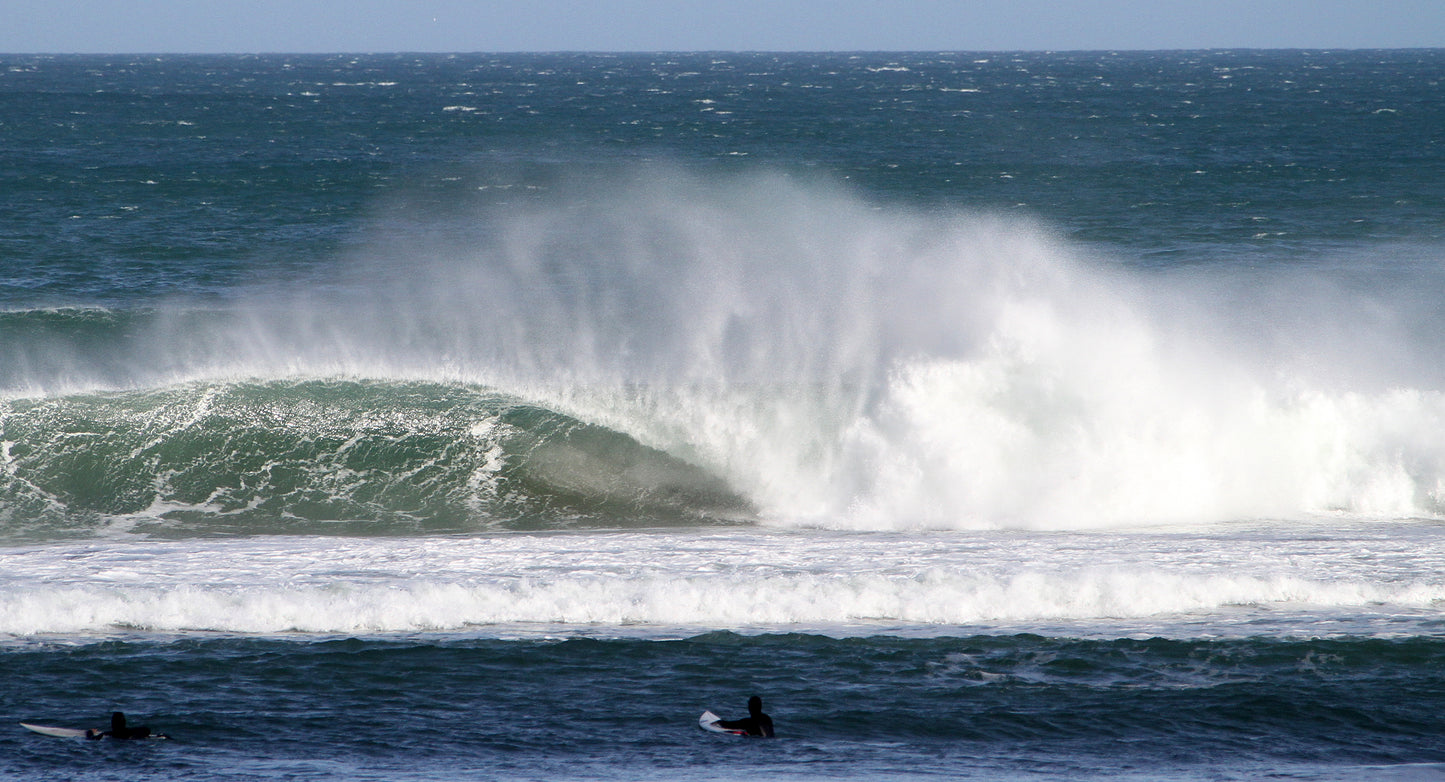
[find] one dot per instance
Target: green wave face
(342, 457)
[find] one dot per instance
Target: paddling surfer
(120, 730)
(756, 723)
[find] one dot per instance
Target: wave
(864, 602)
(356, 590)
(332, 457)
(821, 359)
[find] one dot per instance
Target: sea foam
(664, 583)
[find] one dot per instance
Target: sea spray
(835, 362)
(849, 365)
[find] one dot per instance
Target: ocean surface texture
(992, 416)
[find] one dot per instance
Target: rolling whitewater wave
(669, 350)
(861, 604)
(658, 581)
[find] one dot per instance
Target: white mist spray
(854, 366)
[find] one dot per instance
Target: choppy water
(994, 416)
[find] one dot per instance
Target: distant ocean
(1002, 416)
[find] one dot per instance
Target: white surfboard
(709, 722)
(64, 733)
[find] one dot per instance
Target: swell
(332, 456)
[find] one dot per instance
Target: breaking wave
(292, 457)
(664, 350)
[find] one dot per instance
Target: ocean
(997, 416)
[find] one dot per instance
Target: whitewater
(666, 585)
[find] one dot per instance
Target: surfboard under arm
(709, 722)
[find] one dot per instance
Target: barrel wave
(353, 457)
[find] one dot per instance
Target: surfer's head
(117, 720)
(755, 705)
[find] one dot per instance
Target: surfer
(756, 723)
(119, 730)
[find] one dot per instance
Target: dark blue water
(142, 176)
(491, 416)
(1014, 707)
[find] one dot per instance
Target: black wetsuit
(756, 723)
(119, 730)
